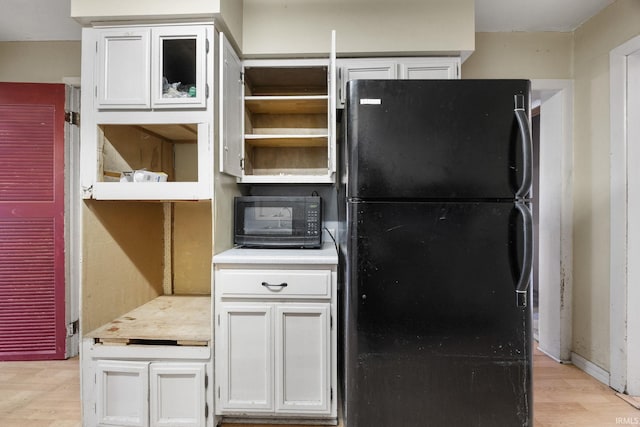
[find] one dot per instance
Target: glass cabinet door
(179, 67)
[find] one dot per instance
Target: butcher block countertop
(177, 320)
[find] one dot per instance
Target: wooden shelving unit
(286, 121)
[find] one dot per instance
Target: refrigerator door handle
(522, 286)
(525, 132)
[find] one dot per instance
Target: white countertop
(325, 255)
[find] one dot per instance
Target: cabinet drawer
(274, 283)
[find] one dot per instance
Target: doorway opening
(554, 211)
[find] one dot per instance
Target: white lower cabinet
(302, 358)
(245, 332)
(275, 340)
(146, 385)
(144, 394)
(277, 357)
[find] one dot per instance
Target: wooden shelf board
(286, 140)
(184, 320)
(287, 104)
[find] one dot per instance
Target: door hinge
(331, 394)
(242, 77)
(331, 322)
(206, 90)
(206, 410)
(72, 117)
(206, 381)
(218, 392)
(72, 328)
(242, 164)
(206, 45)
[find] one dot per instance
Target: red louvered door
(32, 289)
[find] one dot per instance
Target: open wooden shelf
(177, 320)
(286, 140)
(287, 104)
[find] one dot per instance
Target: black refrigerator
(437, 251)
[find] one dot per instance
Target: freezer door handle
(527, 154)
(522, 286)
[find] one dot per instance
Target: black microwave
(278, 221)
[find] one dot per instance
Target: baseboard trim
(546, 353)
(590, 368)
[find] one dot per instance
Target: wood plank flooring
(47, 394)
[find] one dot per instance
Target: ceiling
(38, 20)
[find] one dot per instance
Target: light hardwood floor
(46, 394)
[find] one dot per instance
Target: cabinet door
(231, 110)
(303, 358)
(365, 70)
(179, 66)
(430, 68)
(177, 394)
(123, 69)
(122, 393)
(246, 380)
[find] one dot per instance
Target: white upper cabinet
(412, 68)
(429, 68)
(152, 67)
(179, 68)
(364, 69)
(286, 107)
(123, 68)
(147, 127)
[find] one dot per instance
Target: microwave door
(268, 221)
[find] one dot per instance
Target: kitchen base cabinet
(151, 366)
(142, 393)
(275, 340)
(282, 342)
(145, 386)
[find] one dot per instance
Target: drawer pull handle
(269, 285)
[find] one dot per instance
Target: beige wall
(122, 258)
(593, 42)
(231, 15)
(520, 56)
(39, 62)
(583, 56)
(86, 11)
(362, 26)
(228, 13)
